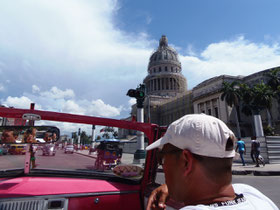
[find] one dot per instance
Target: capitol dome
(165, 76)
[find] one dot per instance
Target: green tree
(75, 137)
(256, 98)
(274, 79)
(263, 95)
(85, 139)
(230, 94)
(109, 132)
(246, 95)
(274, 83)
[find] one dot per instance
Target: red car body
(79, 192)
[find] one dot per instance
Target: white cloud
(237, 57)
(48, 100)
(56, 93)
(75, 47)
(18, 102)
(99, 108)
(71, 106)
(131, 101)
(35, 89)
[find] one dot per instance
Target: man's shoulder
(243, 188)
(253, 199)
(254, 196)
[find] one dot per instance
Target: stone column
(211, 107)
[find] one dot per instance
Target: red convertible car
(72, 182)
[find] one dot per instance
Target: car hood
(36, 186)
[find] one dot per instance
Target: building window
(216, 112)
(209, 111)
(165, 68)
(171, 69)
(159, 69)
(154, 70)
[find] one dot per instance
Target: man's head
(34, 130)
(9, 136)
(196, 146)
(54, 136)
(46, 137)
(201, 134)
(253, 138)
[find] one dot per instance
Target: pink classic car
(72, 182)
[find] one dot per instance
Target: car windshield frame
(150, 131)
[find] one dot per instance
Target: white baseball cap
(201, 134)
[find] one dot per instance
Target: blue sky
(200, 22)
(81, 56)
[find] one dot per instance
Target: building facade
(168, 98)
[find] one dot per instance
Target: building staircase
(270, 149)
(273, 148)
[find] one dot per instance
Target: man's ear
(188, 160)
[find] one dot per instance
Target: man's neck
(210, 194)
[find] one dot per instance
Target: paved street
(59, 161)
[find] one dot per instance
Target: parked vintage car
(49, 149)
(72, 182)
(69, 148)
(17, 149)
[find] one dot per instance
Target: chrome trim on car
(74, 195)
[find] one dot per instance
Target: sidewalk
(250, 169)
(237, 168)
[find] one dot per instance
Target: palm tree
(274, 83)
(274, 79)
(263, 96)
(232, 97)
(256, 98)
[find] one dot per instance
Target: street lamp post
(93, 137)
(139, 94)
(79, 138)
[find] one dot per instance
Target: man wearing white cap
(196, 154)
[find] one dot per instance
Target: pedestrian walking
(196, 154)
(252, 149)
(241, 150)
(255, 150)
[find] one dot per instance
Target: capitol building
(168, 97)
